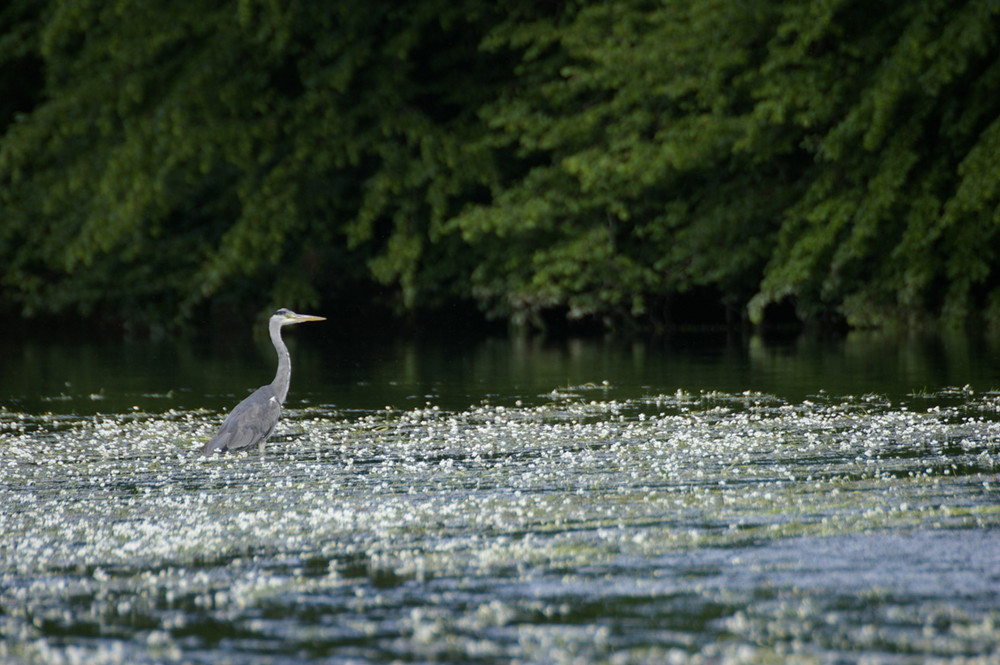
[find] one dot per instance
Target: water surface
(505, 502)
(94, 376)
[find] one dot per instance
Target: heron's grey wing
(250, 422)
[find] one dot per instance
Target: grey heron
(253, 419)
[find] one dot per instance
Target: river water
(699, 501)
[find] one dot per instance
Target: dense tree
(590, 159)
(625, 119)
(900, 114)
(840, 154)
(181, 152)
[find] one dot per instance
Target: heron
(252, 421)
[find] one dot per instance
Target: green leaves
(623, 112)
(589, 159)
(878, 235)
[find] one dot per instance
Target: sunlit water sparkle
(707, 527)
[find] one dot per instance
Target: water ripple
(674, 528)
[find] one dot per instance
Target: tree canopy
(592, 160)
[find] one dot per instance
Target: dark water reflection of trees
(112, 376)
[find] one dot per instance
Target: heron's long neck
(284, 374)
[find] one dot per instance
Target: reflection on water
(673, 528)
(111, 377)
(691, 502)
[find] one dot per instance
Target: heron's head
(286, 317)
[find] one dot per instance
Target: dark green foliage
(592, 159)
(888, 229)
(187, 151)
(624, 121)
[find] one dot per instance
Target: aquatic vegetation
(708, 526)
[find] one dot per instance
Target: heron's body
(252, 421)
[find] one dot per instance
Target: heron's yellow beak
(309, 317)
